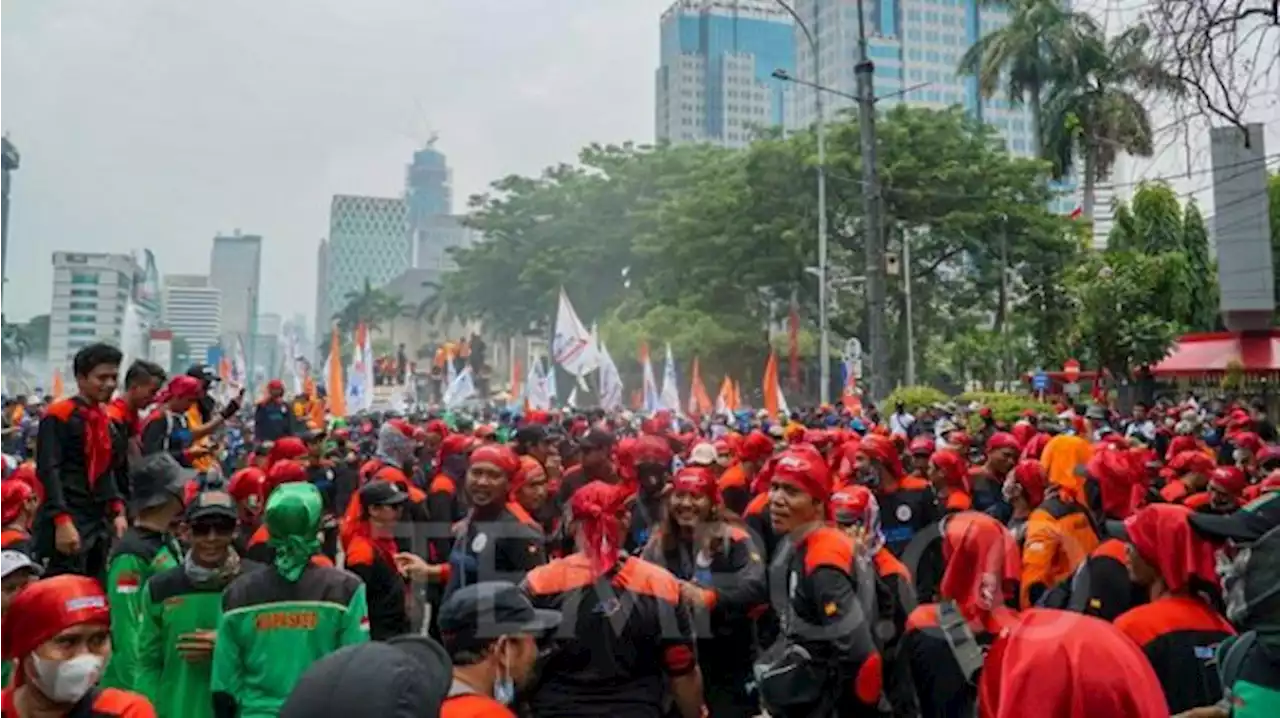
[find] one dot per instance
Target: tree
(368, 305)
(1124, 233)
(1121, 324)
(1095, 110)
(1201, 273)
(1022, 57)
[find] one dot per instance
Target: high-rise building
(369, 241)
(428, 184)
(324, 318)
(235, 269)
(10, 159)
(91, 293)
(192, 310)
(435, 236)
(714, 81)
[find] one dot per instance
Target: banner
(610, 382)
(460, 390)
(572, 346)
(670, 386)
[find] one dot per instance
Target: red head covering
(1191, 462)
(955, 470)
(1003, 440)
(287, 447)
(883, 451)
(597, 508)
(539, 418)
(14, 496)
(983, 565)
(275, 385)
(1030, 475)
(1179, 444)
(247, 483)
(921, 446)
(181, 387)
(1229, 479)
(48, 607)
(497, 455)
(960, 439)
(1060, 664)
(1162, 536)
(1035, 446)
(697, 480)
(1121, 480)
(1248, 441)
(804, 468)
(756, 447)
(455, 444)
(26, 473)
(1024, 432)
(438, 427)
(529, 468)
(283, 472)
(650, 449)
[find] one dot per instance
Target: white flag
(610, 381)
(537, 391)
(572, 347)
(670, 387)
(460, 389)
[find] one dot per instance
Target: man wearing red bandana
(74, 463)
(141, 383)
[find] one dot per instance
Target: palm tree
(1096, 110)
(16, 342)
(1022, 57)
(434, 307)
(369, 305)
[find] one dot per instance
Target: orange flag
(699, 400)
(337, 389)
(517, 372)
(770, 386)
(737, 395)
(57, 389)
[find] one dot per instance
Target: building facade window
(84, 278)
(82, 318)
(81, 332)
(84, 293)
(84, 305)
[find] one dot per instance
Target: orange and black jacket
(895, 597)
(98, 703)
(126, 427)
(384, 586)
(258, 548)
(823, 595)
(905, 510)
(627, 630)
(1179, 635)
(14, 539)
(940, 686)
(500, 546)
(734, 589)
(1101, 586)
(444, 509)
(760, 524)
(66, 445)
(1060, 535)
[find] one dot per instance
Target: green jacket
(271, 630)
(171, 607)
(1251, 675)
(141, 554)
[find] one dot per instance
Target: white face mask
(66, 682)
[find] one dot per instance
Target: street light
(824, 334)
(781, 74)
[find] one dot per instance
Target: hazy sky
(158, 123)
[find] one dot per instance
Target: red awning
(1197, 354)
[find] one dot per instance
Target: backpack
(964, 645)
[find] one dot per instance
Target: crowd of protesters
(591, 563)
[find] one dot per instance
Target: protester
(17, 571)
(19, 503)
(141, 383)
(272, 419)
(369, 544)
(405, 677)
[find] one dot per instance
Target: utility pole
(872, 224)
(1006, 358)
(906, 300)
(824, 332)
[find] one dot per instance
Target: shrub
(914, 398)
(1004, 407)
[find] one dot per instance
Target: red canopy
(1196, 354)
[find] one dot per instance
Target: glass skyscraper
(714, 81)
(369, 241)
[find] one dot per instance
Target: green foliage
(1202, 274)
(915, 398)
(1004, 406)
(1124, 230)
(369, 305)
(1122, 301)
(1157, 219)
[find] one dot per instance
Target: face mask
(504, 689)
(66, 682)
(1011, 489)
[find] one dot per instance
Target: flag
(462, 388)
(726, 402)
(333, 377)
(553, 391)
(57, 389)
(699, 400)
(793, 347)
(572, 401)
(670, 388)
(239, 366)
(1076, 213)
(770, 385)
(737, 395)
(610, 381)
(359, 393)
(517, 373)
(572, 347)
(649, 385)
(537, 395)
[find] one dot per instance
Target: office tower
(235, 269)
(427, 184)
(714, 82)
(91, 292)
(369, 241)
(192, 310)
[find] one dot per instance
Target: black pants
(91, 560)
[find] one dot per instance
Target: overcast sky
(158, 123)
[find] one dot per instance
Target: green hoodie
(173, 606)
(141, 554)
(1250, 663)
(278, 621)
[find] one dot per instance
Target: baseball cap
(11, 561)
(1245, 525)
(403, 677)
(704, 455)
(213, 504)
(489, 609)
(382, 493)
(203, 372)
(531, 434)
(596, 439)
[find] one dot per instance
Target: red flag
(770, 386)
(793, 347)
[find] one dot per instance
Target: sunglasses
(213, 528)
